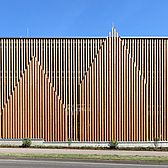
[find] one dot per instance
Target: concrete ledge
(143, 144)
(136, 144)
(18, 142)
(77, 144)
(121, 144)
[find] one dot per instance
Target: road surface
(9, 163)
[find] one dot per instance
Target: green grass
(87, 157)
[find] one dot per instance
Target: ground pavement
(82, 151)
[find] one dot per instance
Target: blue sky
(48, 18)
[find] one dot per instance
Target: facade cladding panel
(84, 89)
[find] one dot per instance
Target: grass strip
(87, 157)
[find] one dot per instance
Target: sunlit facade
(84, 89)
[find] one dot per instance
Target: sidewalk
(86, 152)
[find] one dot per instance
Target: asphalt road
(9, 163)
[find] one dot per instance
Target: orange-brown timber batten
(84, 89)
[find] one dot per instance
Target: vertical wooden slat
(165, 88)
(121, 84)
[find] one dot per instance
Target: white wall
(121, 144)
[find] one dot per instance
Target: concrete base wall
(128, 144)
(77, 144)
(142, 144)
(18, 142)
(121, 144)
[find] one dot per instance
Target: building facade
(84, 89)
